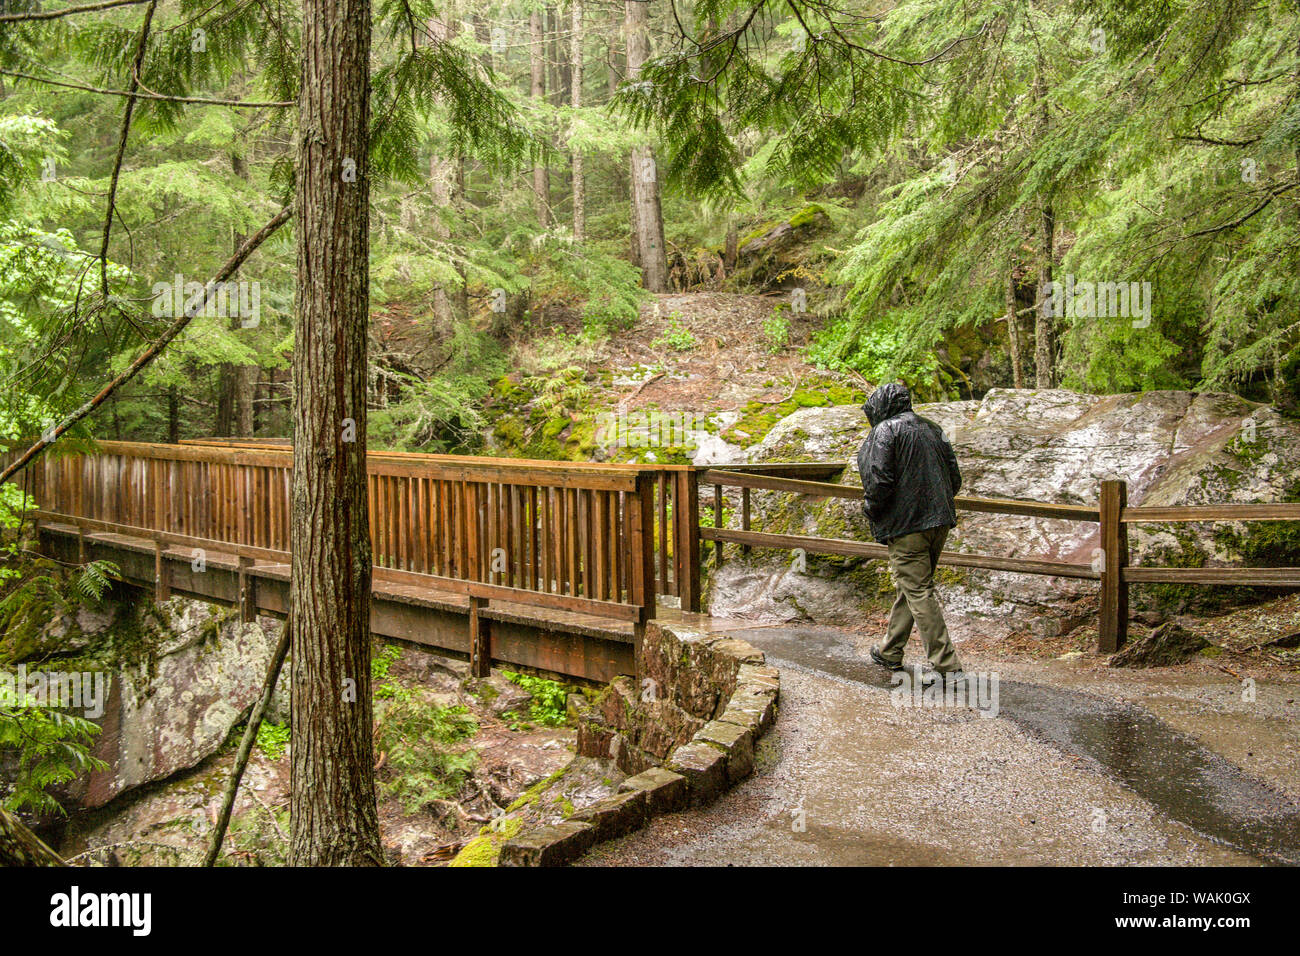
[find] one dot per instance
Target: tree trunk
(241, 376)
(1013, 329)
(462, 292)
(537, 62)
(333, 810)
(483, 35)
(19, 846)
(173, 414)
(1045, 322)
(1281, 390)
(244, 379)
(446, 178)
(729, 247)
(621, 190)
(223, 426)
(648, 218)
(561, 68)
(440, 173)
(579, 184)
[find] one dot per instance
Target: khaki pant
(913, 558)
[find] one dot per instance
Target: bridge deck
(567, 644)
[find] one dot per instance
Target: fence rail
(590, 539)
(675, 493)
(1112, 514)
(602, 539)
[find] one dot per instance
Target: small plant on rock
(676, 336)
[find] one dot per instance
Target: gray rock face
(1038, 445)
(177, 707)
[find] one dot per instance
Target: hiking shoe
(879, 659)
(948, 678)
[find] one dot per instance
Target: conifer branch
(153, 351)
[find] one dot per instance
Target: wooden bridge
(553, 567)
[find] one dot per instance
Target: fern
(52, 748)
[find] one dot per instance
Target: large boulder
(1039, 445)
(191, 675)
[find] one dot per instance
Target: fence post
(717, 524)
(480, 646)
(162, 585)
(687, 526)
(641, 575)
(247, 597)
(1112, 626)
(744, 517)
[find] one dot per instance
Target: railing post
(641, 576)
(686, 524)
(744, 517)
(162, 585)
(717, 524)
(1112, 625)
(480, 641)
(247, 597)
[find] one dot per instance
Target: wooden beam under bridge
(562, 645)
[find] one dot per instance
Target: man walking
(909, 479)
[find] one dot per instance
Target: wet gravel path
(1060, 776)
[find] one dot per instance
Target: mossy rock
(485, 849)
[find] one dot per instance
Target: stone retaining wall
(685, 734)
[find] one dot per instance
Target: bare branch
(231, 266)
(66, 11)
(199, 100)
(140, 46)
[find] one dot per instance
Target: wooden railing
(1110, 564)
(674, 494)
(581, 538)
(603, 539)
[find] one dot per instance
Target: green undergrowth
(422, 743)
(273, 739)
(548, 704)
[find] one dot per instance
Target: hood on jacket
(886, 402)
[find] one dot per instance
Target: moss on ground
(758, 418)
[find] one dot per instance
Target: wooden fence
(602, 539)
(1110, 565)
(582, 538)
(674, 502)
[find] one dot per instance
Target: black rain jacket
(909, 471)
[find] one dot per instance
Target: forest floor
(731, 362)
(713, 359)
(520, 771)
